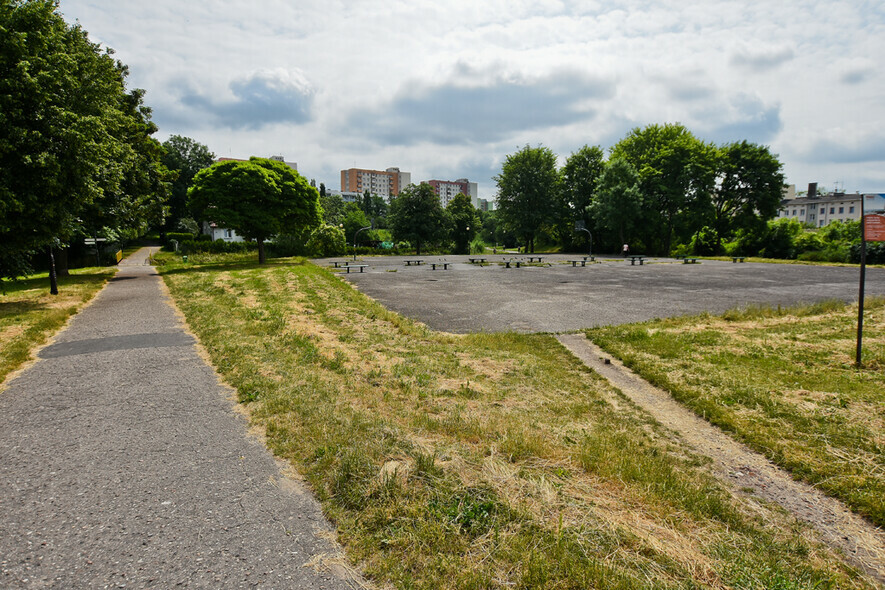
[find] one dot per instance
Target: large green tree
(527, 192)
(74, 144)
(676, 175)
(416, 215)
(465, 222)
(185, 156)
(749, 188)
(580, 175)
(617, 208)
(259, 199)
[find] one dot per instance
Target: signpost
(872, 229)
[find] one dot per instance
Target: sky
(447, 89)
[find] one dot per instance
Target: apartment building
(447, 190)
(818, 210)
(384, 183)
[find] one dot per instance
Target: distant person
(625, 250)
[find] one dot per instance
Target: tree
(353, 220)
(617, 207)
(580, 176)
(327, 240)
(417, 216)
(750, 187)
(70, 134)
(333, 207)
(258, 199)
(465, 222)
(527, 189)
(186, 156)
(676, 175)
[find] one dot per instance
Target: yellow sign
(119, 256)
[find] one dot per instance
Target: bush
(289, 244)
(875, 253)
(216, 247)
(179, 237)
(327, 240)
(706, 242)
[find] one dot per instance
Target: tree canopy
(749, 188)
(464, 222)
(417, 216)
(185, 156)
(617, 207)
(527, 189)
(75, 146)
(259, 199)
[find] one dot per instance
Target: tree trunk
(261, 257)
(53, 279)
(418, 248)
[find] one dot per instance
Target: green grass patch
(29, 315)
(782, 380)
(477, 461)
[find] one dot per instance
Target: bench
(688, 260)
(415, 262)
(477, 260)
(445, 265)
(532, 259)
(507, 263)
(339, 263)
(575, 262)
(634, 259)
(590, 258)
(738, 258)
(359, 266)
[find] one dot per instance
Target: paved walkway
(124, 464)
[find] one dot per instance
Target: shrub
(706, 242)
(327, 240)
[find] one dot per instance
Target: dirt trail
(741, 468)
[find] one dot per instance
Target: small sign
(874, 228)
(119, 256)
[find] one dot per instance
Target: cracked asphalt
(123, 463)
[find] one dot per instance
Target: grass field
(476, 461)
(29, 315)
(784, 382)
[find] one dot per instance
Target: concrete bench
(738, 258)
(688, 260)
(445, 265)
(635, 259)
(582, 262)
(477, 260)
(516, 263)
(359, 266)
(415, 262)
(339, 263)
(533, 258)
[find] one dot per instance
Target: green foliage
(219, 246)
(417, 216)
(353, 219)
(465, 222)
(579, 176)
(258, 199)
(185, 157)
(333, 207)
(780, 241)
(706, 242)
(75, 146)
(750, 187)
(617, 208)
(327, 240)
(527, 191)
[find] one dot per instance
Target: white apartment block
(449, 189)
(818, 211)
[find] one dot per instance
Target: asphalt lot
(556, 297)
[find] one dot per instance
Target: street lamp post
(354, 239)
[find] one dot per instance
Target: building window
(821, 223)
(794, 212)
(832, 210)
(822, 210)
(851, 209)
(802, 212)
(841, 210)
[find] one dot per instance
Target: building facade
(447, 190)
(821, 210)
(384, 183)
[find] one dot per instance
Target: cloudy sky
(446, 89)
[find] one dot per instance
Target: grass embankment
(29, 315)
(477, 461)
(784, 381)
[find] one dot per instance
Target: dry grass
(477, 461)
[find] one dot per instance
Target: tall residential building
(448, 190)
(818, 209)
(387, 183)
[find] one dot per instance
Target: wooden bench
(583, 262)
(359, 266)
(415, 262)
(689, 260)
(445, 265)
(738, 258)
(634, 259)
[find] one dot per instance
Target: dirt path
(741, 468)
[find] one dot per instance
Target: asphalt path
(556, 297)
(123, 463)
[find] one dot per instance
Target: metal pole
(863, 272)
